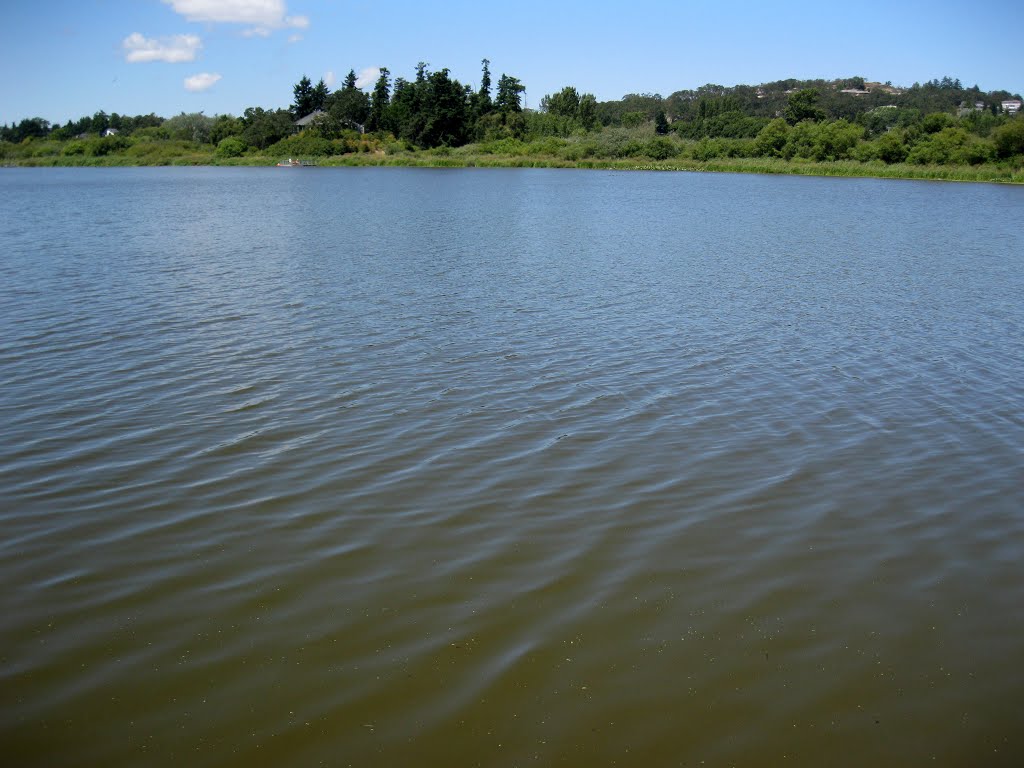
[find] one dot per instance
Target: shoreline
(459, 159)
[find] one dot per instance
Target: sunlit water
(445, 468)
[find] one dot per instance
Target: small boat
(290, 163)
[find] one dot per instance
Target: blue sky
(65, 59)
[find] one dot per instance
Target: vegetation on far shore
(939, 130)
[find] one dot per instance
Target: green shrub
(1009, 138)
(108, 145)
(152, 133)
(950, 145)
(890, 148)
(301, 145)
(661, 148)
(771, 141)
(230, 147)
(633, 119)
(708, 149)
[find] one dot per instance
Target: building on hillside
(110, 132)
(884, 88)
(855, 91)
(304, 122)
(1011, 106)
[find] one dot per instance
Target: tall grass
(613, 149)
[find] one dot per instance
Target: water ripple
(492, 468)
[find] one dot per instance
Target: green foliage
(225, 126)
(564, 113)
(230, 147)
(432, 111)
(936, 122)
(803, 105)
(346, 109)
(303, 144)
(909, 132)
(878, 121)
(771, 141)
(263, 127)
(633, 119)
(729, 125)
(891, 148)
(660, 123)
(565, 103)
(154, 133)
(509, 98)
(108, 145)
(192, 126)
(1009, 138)
(504, 146)
(33, 127)
(587, 113)
(483, 103)
(501, 125)
(950, 145)
(159, 152)
(613, 112)
(661, 148)
(835, 140)
(303, 98)
(320, 94)
(379, 101)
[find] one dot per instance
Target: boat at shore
(292, 163)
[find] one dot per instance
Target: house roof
(302, 122)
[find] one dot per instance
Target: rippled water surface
(384, 467)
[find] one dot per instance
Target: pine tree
(303, 103)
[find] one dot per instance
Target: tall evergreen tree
(302, 104)
(379, 101)
(509, 90)
(660, 122)
(484, 96)
(320, 94)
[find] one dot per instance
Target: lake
(395, 467)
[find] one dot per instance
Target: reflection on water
(406, 467)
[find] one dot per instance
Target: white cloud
(173, 49)
(329, 79)
(367, 77)
(262, 15)
(294, 38)
(200, 82)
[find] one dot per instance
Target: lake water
(397, 467)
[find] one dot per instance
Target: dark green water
(385, 467)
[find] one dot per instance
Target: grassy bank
(847, 168)
(546, 154)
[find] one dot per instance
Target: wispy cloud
(175, 49)
(367, 77)
(294, 38)
(329, 79)
(261, 15)
(201, 82)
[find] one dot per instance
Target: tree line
(940, 121)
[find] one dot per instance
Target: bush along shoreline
(939, 130)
